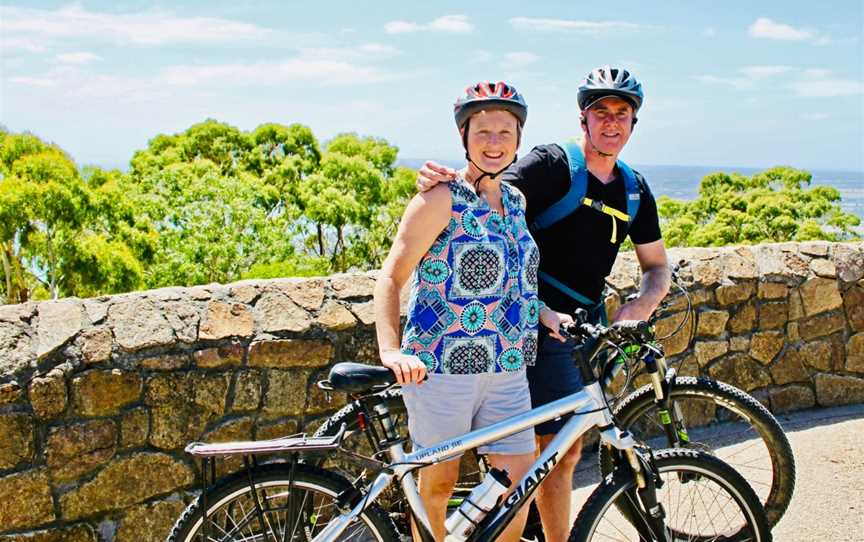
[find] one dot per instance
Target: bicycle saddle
(358, 378)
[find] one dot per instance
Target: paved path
(828, 503)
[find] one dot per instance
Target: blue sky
(727, 83)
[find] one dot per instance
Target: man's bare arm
(656, 279)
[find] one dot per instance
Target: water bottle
(474, 508)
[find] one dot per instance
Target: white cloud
(763, 72)
(765, 28)
(33, 81)
(20, 43)
(815, 116)
(519, 58)
(77, 58)
(740, 83)
(584, 27)
(153, 27)
(366, 51)
(448, 23)
(819, 83)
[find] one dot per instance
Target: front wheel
(722, 420)
(281, 507)
(703, 500)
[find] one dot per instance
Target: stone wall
(98, 397)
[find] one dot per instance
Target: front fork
(671, 417)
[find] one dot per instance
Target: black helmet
(604, 82)
(485, 95)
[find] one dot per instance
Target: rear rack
(293, 443)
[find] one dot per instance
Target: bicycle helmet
(604, 82)
(485, 95)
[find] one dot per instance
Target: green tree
(64, 233)
(772, 206)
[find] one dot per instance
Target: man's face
(610, 123)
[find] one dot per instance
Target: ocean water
(682, 182)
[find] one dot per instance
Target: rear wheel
(281, 507)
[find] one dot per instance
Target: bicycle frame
(590, 400)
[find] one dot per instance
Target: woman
(473, 311)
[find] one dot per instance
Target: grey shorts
(450, 405)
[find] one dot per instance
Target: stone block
(833, 390)
(850, 262)
(814, 248)
(706, 351)
(16, 440)
(796, 306)
(25, 500)
(125, 482)
(290, 353)
(733, 294)
(319, 402)
(334, 316)
(168, 362)
(678, 342)
(182, 406)
(138, 323)
(15, 350)
(10, 393)
(773, 315)
(739, 344)
(232, 430)
(78, 533)
(308, 293)
(743, 320)
(823, 268)
(286, 393)
(96, 345)
(741, 371)
(281, 428)
(711, 323)
(229, 355)
(103, 393)
(58, 322)
(48, 394)
(96, 309)
(149, 522)
(791, 398)
(348, 286)
(247, 391)
(855, 353)
(820, 295)
(853, 303)
(73, 450)
(276, 312)
(817, 354)
(773, 290)
(134, 428)
(222, 320)
(789, 368)
(184, 318)
(821, 325)
(365, 312)
(764, 345)
(792, 333)
(244, 292)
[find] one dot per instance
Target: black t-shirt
(577, 249)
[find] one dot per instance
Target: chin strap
(486, 173)
(593, 146)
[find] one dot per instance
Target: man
(578, 241)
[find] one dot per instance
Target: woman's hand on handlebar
(554, 320)
(407, 368)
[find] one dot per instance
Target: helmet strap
(483, 172)
(591, 141)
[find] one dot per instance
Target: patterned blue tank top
(473, 306)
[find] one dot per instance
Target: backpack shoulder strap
(631, 187)
(576, 193)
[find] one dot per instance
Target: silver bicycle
(668, 495)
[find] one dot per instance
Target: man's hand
(554, 320)
(433, 173)
(408, 369)
(638, 309)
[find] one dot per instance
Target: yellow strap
(612, 212)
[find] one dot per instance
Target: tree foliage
(772, 206)
(64, 231)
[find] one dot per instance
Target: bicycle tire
(315, 488)
(636, 413)
(682, 470)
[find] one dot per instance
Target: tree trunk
(320, 240)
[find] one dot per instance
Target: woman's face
(493, 137)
